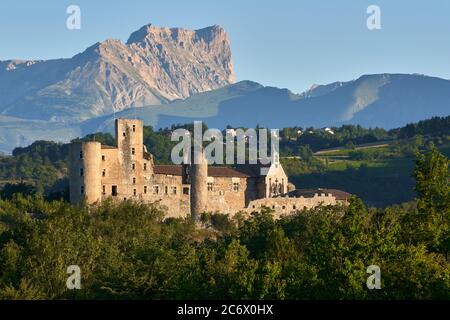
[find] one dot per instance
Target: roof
(176, 170)
(147, 156)
(309, 193)
(251, 170)
(173, 170)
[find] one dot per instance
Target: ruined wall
(170, 194)
(290, 205)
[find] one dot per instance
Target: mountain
(380, 100)
(171, 76)
(155, 66)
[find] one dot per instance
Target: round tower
(85, 172)
(198, 180)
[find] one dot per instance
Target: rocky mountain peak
(156, 65)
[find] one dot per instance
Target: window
(134, 128)
(81, 154)
(114, 191)
(124, 134)
(186, 190)
(210, 186)
(156, 189)
(145, 166)
(134, 180)
(294, 207)
(283, 207)
(104, 190)
(104, 173)
(82, 190)
(134, 192)
(103, 158)
(133, 151)
(236, 186)
(133, 167)
(174, 190)
(273, 206)
(145, 189)
(81, 172)
(166, 189)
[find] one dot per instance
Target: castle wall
(290, 205)
(127, 172)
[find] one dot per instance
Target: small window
(294, 207)
(145, 166)
(166, 190)
(82, 190)
(145, 189)
(81, 154)
(283, 207)
(133, 166)
(210, 186)
(81, 172)
(104, 190)
(156, 189)
(104, 173)
(134, 192)
(185, 190)
(133, 151)
(174, 190)
(103, 157)
(236, 186)
(114, 191)
(273, 207)
(134, 128)
(134, 180)
(124, 134)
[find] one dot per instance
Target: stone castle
(127, 171)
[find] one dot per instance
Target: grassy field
(385, 180)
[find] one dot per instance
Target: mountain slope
(155, 66)
(384, 100)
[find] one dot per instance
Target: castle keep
(127, 171)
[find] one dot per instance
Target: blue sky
(284, 43)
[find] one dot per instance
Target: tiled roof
(173, 170)
(225, 172)
(176, 170)
(251, 170)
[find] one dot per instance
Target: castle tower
(130, 145)
(84, 172)
(198, 179)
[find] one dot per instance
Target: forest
(129, 251)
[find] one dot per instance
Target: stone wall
(290, 205)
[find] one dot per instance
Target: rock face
(155, 66)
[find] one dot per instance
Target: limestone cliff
(155, 66)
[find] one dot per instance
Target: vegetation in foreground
(128, 251)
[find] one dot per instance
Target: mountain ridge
(109, 76)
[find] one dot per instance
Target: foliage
(128, 251)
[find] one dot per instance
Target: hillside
(384, 100)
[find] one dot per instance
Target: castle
(127, 171)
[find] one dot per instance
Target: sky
(285, 43)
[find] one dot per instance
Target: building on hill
(127, 171)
